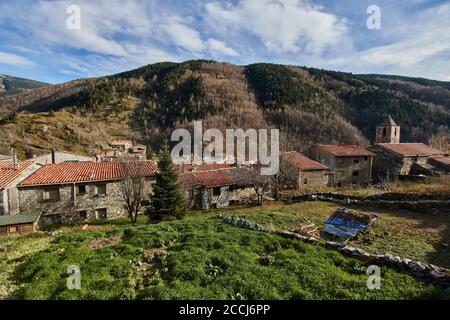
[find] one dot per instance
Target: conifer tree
(167, 199)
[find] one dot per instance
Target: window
(395, 132)
(366, 158)
(82, 189)
(100, 189)
(13, 229)
(50, 195)
(101, 213)
(216, 191)
(384, 132)
(356, 173)
(83, 214)
(355, 160)
(305, 181)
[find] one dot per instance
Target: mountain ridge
(308, 105)
(10, 85)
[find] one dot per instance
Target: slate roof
(388, 122)
(7, 220)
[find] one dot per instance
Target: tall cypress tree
(167, 200)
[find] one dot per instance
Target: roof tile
(72, 172)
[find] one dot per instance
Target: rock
(85, 227)
(436, 274)
(331, 244)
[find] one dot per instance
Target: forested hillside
(308, 105)
(13, 85)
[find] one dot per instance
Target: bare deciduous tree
(132, 190)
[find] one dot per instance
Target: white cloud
(219, 48)
(283, 26)
(182, 35)
(421, 47)
(14, 59)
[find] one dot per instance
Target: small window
(83, 215)
(82, 189)
(100, 189)
(101, 214)
(305, 181)
(216, 191)
(356, 173)
(13, 229)
(366, 158)
(384, 132)
(355, 160)
(50, 195)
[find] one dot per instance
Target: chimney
(15, 162)
(53, 156)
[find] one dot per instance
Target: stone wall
(205, 199)
(428, 272)
(71, 202)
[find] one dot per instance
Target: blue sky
(118, 35)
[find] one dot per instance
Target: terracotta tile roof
(346, 150)
(8, 174)
(207, 179)
(301, 162)
(88, 171)
(411, 149)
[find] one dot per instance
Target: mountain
(13, 85)
(308, 106)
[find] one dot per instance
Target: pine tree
(167, 200)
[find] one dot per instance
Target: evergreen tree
(167, 200)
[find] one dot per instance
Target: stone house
(11, 174)
(351, 164)
(303, 173)
(408, 159)
(122, 145)
(72, 192)
(219, 188)
(397, 160)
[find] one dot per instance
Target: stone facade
(348, 169)
(71, 203)
(289, 175)
(389, 164)
(388, 132)
(219, 197)
(9, 195)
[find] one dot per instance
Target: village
(64, 188)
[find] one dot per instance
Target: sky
(57, 41)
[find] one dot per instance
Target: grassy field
(200, 257)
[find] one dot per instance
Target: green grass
(407, 234)
(200, 257)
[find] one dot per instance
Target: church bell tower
(388, 132)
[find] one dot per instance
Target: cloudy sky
(118, 35)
